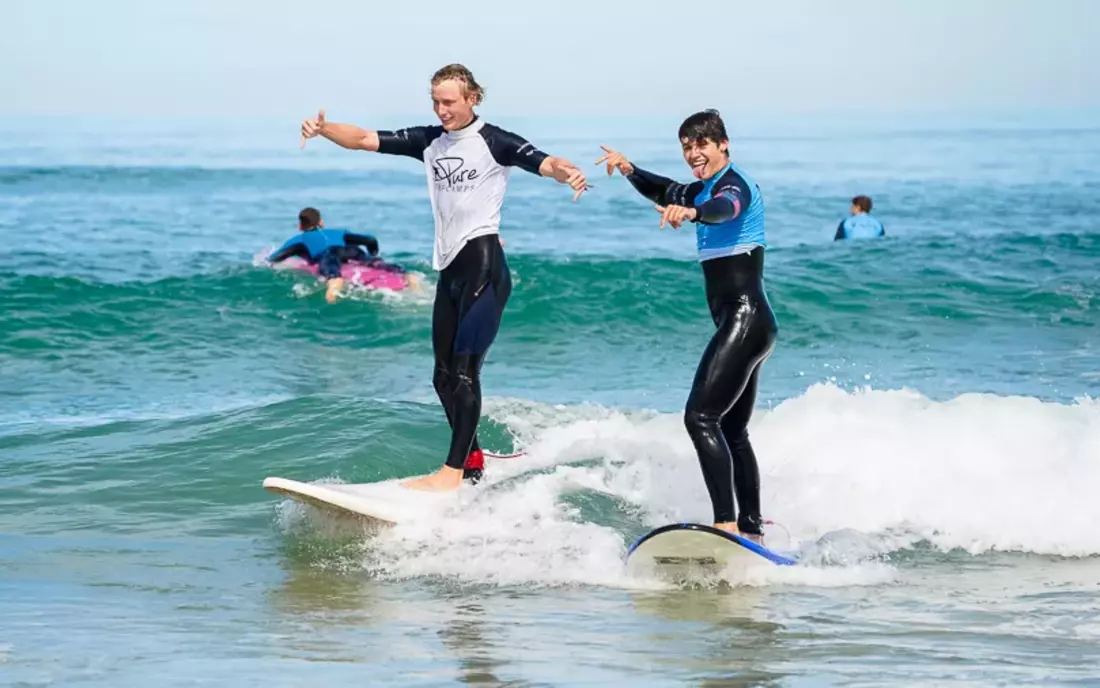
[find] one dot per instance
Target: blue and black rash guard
(312, 243)
(729, 206)
(861, 226)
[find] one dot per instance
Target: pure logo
(450, 174)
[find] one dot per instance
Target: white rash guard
(467, 175)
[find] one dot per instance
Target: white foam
(853, 475)
(978, 472)
(520, 535)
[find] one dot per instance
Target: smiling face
(705, 143)
(453, 104)
(704, 156)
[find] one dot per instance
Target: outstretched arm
(363, 240)
(653, 186)
(345, 135)
(411, 141)
(291, 248)
(513, 150)
(564, 172)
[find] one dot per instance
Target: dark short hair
(702, 126)
(863, 203)
(309, 218)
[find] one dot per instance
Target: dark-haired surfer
(728, 209)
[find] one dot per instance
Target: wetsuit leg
(484, 293)
(328, 263)
(470, 300)
(725, 387)
(746, 472)
(444, 331)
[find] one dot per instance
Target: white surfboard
(693, 550)
(386, 502)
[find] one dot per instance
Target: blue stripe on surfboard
(744, 542)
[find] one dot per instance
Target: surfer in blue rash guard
(467, 162)
(328, 249)
(727, 208)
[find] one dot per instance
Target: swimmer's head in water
(861, 204)
(705, 143)
(455, 92)
(309, 219)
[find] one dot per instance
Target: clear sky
(280, 58)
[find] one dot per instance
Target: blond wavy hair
(462, 75)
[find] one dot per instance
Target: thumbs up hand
(312, 127)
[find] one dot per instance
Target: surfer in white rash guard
(467, 162)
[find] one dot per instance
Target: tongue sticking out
(697, 170)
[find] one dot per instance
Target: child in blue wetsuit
(860, 224)
(328, 249)
(727, 208)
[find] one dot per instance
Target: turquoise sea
(928, 426)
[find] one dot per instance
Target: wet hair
(704, 126)
(863, 203)
(462, 75)
(309, 218)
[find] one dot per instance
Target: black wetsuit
(469, 301)
(731, 247)
(724, 391)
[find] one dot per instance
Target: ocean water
(928, 426)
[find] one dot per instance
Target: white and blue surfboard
(687, 550)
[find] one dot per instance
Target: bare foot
(333, 289)
(446, 479)
(730, 528)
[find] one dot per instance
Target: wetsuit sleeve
(658, 189)
(728, 200)
(839, 231)
(292, 247)
(512, 150)
(363, 240)
(411, 141)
